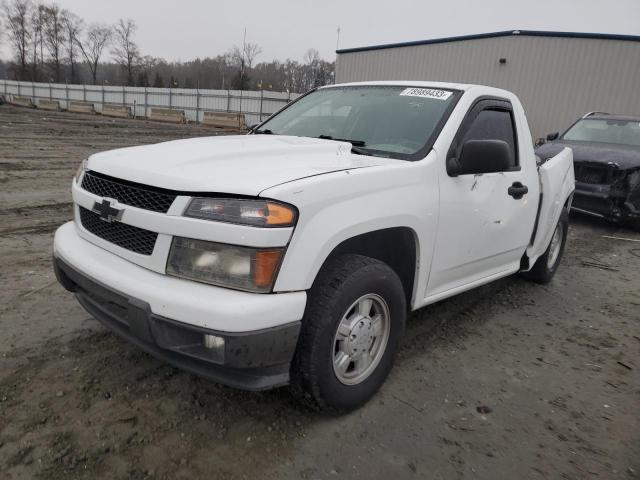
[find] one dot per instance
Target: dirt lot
(513, 380)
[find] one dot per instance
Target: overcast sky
(186, 29)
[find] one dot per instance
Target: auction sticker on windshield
(426, 93)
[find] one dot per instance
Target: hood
(238, 164)
(593, 152)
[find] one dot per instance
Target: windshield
(621, 132)
(391, 121)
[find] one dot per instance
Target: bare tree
(146, 64)
(244, 57)
(37, 40)
(17, 19)
(312, 56)
(54, 37)
(316, 71)
(251, 51)
(92, 46)
(125, 51)
(72, 26)
(235, 57)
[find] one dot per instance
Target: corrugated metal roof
(506, 33)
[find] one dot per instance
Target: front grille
(141, 196)
(591, 175)
(126, 236)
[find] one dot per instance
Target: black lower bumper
(591, 202)
(257, 360)
(604, 201)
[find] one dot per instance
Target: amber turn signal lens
(281, 215)
(255, 212)
(266, 263)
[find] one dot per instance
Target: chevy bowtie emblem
(107, 211)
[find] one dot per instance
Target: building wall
(557, 79)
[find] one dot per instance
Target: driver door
(483, 230)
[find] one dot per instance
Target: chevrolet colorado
(292, 255)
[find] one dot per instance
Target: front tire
(355, 315)
(546, 266)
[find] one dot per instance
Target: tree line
(50, 44)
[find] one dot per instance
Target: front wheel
(546, 266)
(355, 315)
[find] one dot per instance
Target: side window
(494, 124)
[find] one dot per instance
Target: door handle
(517, 190)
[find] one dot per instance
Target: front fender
(342, 205)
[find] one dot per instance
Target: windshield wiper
(355, 143)
(266, 131)
(362, 151)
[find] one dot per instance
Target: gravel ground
(511, 380)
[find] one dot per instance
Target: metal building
(558, 76)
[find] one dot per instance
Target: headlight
(80, 171)
(242, 268)
(258, 213)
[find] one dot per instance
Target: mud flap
(557, 183)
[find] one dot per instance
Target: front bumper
(132, 301)
(604, 200)
(594, 199)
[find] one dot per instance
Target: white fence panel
(255, 105)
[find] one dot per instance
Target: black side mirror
(480, 156)
(552, 136)
(253, 126)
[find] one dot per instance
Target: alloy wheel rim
(554, 247)
(361, 339)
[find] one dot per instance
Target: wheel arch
(397, 247)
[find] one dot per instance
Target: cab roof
(464, 87)
(407, 83)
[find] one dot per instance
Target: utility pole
(244, 50)
(242, 60)
(335, 63)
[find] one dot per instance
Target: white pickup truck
(292, 255)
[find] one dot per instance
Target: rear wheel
(546, 266)
(355, 315)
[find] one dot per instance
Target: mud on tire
(341, 282)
